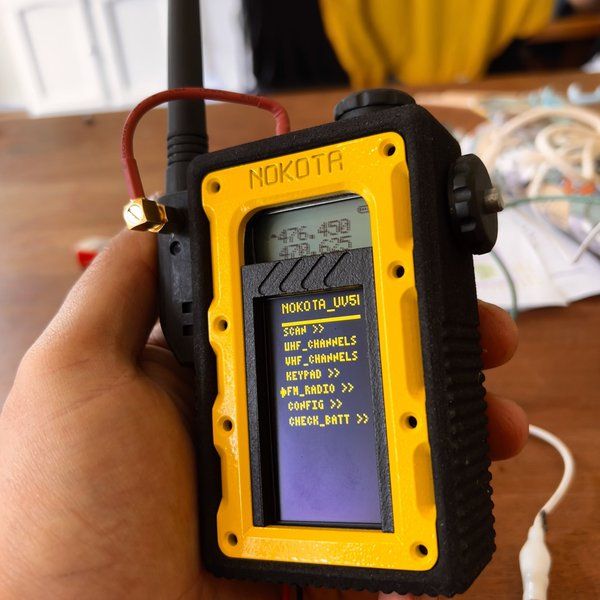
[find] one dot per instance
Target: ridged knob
(367, 101)
(474, 204)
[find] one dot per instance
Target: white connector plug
(535, 562)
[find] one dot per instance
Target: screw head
(493, 201)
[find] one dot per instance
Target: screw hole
(422, 550)
(411, 421)
(227, 424)
(389, 149)
(175, 248)
(222, 324)
(214, 186)
(232, 539)
(398, 271)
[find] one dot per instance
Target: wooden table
(60, 182)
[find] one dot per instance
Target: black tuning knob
(474, 204)
(367, 101)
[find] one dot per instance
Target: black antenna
(186, 137)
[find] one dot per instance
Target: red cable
(128, 163)
(286, 592)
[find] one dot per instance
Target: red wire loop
(128, 162)
(286, 592)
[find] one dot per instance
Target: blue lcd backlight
(322, 409)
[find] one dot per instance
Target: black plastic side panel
(451, 362)
(175, 281)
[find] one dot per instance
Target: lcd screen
(313, 227)
(321, 399)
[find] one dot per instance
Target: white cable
(568, 461)
(588, 160)
(499, 135)
(557, 141)
(568, 145)
(534, 558)
(535, 562)
(589, 238)
(533, 189)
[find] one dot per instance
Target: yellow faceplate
(375, 168)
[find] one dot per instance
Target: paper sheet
(538, 257)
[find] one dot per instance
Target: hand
(97, 484)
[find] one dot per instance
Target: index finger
(499, 335)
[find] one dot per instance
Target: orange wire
(128, 162)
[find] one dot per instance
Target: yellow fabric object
(420, 42)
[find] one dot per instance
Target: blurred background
(81, 56)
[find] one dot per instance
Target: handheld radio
(321, 282)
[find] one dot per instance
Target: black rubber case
(451, 363)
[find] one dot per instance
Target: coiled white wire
(569, 144)
(491, 144)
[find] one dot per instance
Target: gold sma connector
(143, 214)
